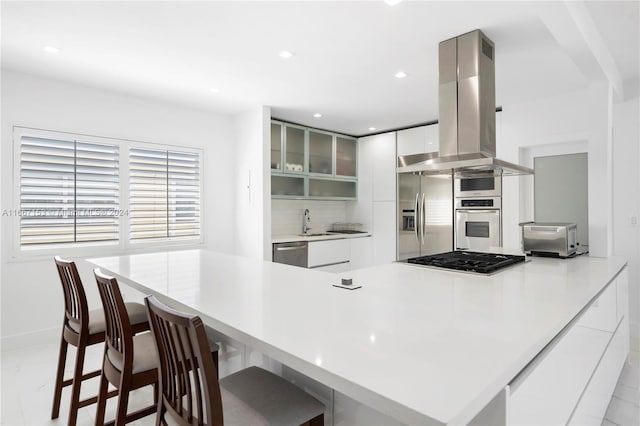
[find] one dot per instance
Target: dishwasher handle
(288, 248)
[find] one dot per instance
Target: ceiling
(346, 53)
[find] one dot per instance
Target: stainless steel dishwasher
(294, 253)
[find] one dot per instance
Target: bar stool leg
(75, 387)
(57, 393)
(123, 401)
(102, 400)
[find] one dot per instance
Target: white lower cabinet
(601, 315)
(547, 392)
(571, 381)
(328, 253)
(593, 404)
(340, 255)
(361, 252)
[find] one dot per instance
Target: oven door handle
(478, 211)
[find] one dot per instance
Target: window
(164, 189)
(68, 191)
(83, 190)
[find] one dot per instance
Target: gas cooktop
(468, 261)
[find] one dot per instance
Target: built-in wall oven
(478, 223)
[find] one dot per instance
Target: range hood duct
(467, 107)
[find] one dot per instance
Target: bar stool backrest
(119, 334)
(75, 300)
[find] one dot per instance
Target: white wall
(626, 198)
(286, 215)
(31, 293)
(560, 125)
(252, 183)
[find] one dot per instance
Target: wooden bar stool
(129, 361)
(81, 328)
(190, 393)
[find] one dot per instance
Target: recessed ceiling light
(392, 2)
(317, 115)
(214, 90)
(372, 128)
(51, 49)
(285, 54)
(400, 74)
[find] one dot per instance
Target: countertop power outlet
(347, 284)
(633, 220)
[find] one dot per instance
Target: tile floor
(28, 377)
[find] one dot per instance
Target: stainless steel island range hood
(467, 108)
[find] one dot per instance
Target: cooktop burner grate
(469, 261)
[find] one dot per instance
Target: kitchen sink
(318, 234)
(348, 231)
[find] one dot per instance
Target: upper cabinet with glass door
(346, 161)
(320, 152)
(276, 146)
(326, 161)
(294, 149)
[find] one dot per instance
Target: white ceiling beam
(571, 24)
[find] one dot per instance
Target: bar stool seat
(146, 356)
(137, 315)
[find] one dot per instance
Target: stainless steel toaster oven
(549, 239)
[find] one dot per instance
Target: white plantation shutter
(164, 194)
(97, 192)
(68, 191)
(184, 194)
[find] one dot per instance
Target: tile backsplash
(286, 215)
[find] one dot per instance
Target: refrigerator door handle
(423, 217)
(416, 219)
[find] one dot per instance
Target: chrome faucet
(306, 221)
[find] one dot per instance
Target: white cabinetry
(596, 397)
(376, 205)
(572, 380)
(418, 140)
(329, 254)
(340, 255)
(383, 166)
(312, 164)
(361, 252)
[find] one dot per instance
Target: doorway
(561, 192)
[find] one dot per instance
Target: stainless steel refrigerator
(425, 215)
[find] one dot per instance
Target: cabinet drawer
(549, 389)
(593, 404)
(602, 315)
(622, 283)
(328, 252)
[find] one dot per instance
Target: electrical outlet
(633, 220)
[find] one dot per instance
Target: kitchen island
(421, 345)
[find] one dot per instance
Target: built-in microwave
(490, 186)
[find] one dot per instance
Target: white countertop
(418, 344)
(311, 237)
